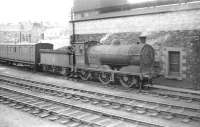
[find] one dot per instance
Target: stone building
(21, 32)
(171, 26)
(9, 33)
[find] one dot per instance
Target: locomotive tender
(130, 64)
(56, 61)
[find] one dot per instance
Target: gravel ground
(10, 117)
(54, 79)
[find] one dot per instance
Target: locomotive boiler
(116, 55)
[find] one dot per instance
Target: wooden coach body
(25, 53)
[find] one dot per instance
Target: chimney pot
(142, 39)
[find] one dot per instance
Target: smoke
(146, 33)
(104, 38)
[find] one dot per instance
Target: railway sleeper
(115, 116)
(107, 104)
(170, 107)
(50, 115)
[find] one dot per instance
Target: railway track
(185, 113)
(66, 113)
(150, 90)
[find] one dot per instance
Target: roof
(87, 5)
(22, 26)
(10, 27)
(83, 5)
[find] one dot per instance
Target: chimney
(143, 39)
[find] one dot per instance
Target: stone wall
(185, 41)
(194, 63)
(180, 20)
(88, 37)
(9, 36)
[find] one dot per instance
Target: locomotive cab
(80, 52)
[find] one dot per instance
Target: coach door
(174, 63)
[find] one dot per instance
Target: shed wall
(181, 20)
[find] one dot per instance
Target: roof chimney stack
(143, 39)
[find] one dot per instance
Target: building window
(42, 36)
(174, 63)
(23, 37)
(29, 35)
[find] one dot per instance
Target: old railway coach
(23, 53)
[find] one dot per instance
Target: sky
(38, 10)
(35, 10)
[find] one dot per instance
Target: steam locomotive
(130, 65)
